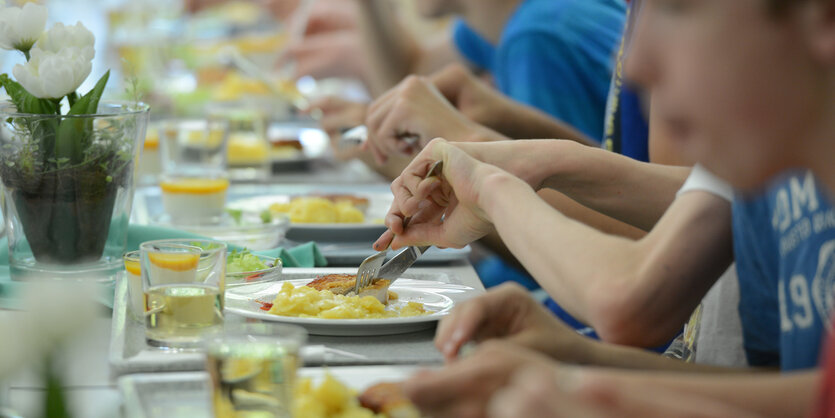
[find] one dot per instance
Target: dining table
(94, 365)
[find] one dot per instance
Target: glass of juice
(183, 281)
(253, 368)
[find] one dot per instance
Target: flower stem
(26, 54)
(71, 98)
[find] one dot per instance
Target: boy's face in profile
(738, 87)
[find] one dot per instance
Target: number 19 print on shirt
(784, 242)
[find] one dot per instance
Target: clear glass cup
(136, 296)
(253, 368)
(193, 147)
(183, 282)
(248, 150)
(194, 199)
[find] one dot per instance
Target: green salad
(244, 261)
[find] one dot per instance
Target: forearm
(773, 395)
(520, 121)
(534, 232)
(627, 190)
(392, 51)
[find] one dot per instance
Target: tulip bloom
(20, 27)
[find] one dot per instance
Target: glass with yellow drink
(183, 283)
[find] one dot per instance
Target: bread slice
(343, 284)
(387, 398)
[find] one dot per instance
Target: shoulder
(565, 20)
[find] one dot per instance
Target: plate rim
(356, 323)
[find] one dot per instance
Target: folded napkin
(304, 255)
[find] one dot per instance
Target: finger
(459, 327)
(384, 241)
(453, 383)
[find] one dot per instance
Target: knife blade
(401, 262)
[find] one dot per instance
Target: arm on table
(631, 292)
(772, 395)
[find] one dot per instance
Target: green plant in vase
(67, 158)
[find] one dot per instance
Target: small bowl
(249, 232)
(267, 275)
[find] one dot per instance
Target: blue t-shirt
(784, 243)
(555, 55)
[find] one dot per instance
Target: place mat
(302, 255)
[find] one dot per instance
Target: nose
(640, 66)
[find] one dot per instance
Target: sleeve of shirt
(703, 180)
(543, 71)
(477, 50)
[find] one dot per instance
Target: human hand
(463, 389)
(445, 210)
(330, 44)
(509, 313)
(413, 108)
(536, 392)
(338, 115)
(473, 97)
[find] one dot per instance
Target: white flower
(53, 75)
(21, 27)
(59, 37)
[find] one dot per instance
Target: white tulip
(59, 37)
(53, 75)
(21, 27)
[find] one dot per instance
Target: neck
(489, 17)
(820, 158)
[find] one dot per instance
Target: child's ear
(820, 17)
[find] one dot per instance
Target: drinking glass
(253, 368)
(183, 281)
(193, 147)
(136, 296)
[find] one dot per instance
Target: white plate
(437, 297)
(370, 230)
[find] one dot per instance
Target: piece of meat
(388, 398)
(343, 284)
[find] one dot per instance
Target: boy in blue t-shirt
(555, 55)
(786, 274)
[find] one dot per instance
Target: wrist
(499, 189)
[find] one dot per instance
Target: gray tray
(129, 353)
(174, 395)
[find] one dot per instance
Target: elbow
(618, 313)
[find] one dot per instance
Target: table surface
(91, 388)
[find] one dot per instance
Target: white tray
(174, 395)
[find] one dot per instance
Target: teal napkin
(304, 255)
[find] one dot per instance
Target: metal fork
(370, 267)
(368, 270)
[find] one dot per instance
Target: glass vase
(68, 188)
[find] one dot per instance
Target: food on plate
(387, 398)
(314, 209)
(331, 398)
(285, 148)
(307, 302)
(186, 198)
(343, 284)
